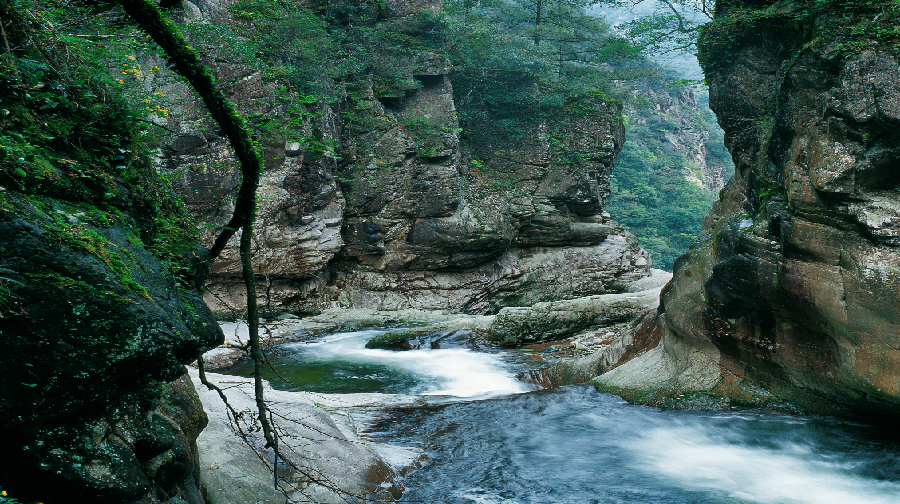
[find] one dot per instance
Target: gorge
(462, 203)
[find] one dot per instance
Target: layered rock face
(404, 209)
(793, 288)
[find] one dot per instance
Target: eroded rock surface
(334, 464)
(792, 291)
(403, 208)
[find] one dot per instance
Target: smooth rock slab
(321, 441)
(559, 319)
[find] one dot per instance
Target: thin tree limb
(185, 62)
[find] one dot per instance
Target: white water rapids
(492, 439)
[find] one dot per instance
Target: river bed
(490, 438)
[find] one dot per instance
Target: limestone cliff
(791, 292)
(404, 208)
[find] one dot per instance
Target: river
(489, 438)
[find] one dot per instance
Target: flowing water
(489, 438)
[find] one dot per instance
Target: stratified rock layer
(793, 288)
(403, 208)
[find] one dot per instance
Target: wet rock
(336, 464)
(514, 326)
(792, 289)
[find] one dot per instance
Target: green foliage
(848, 31)
(78, 200)
(650, 195)
(672, 26)
(514, 68)
(309, 51)
(321, 50)
(221, 42)
(71, 133)
(5, 499)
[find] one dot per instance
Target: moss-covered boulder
(395, 340)
(97, 307)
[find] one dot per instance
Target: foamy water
(779, 470)
(458, 372)
(578, 446)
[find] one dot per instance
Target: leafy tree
(673, 25)
(650, 195)
(568, 41)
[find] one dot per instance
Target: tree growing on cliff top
(561, 37)
(671, 25)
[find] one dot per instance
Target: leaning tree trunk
(185, 62)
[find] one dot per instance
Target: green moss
(851, 27)
(697, 400)
(78, 200)
(398, 340)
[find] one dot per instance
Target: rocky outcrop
(791, 291)
(386, 203)
(97, 314)
(146, 454)
(333, 463)
(93, 327)
(559, 319)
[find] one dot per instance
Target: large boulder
(98, 313)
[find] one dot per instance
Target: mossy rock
(93, 316)
(397, 340)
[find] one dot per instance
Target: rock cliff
(386, 202)
(678, 117)
(95, 322)
(791, 292)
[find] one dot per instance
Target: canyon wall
(404, 208)
(676, 117)
(790, 294)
